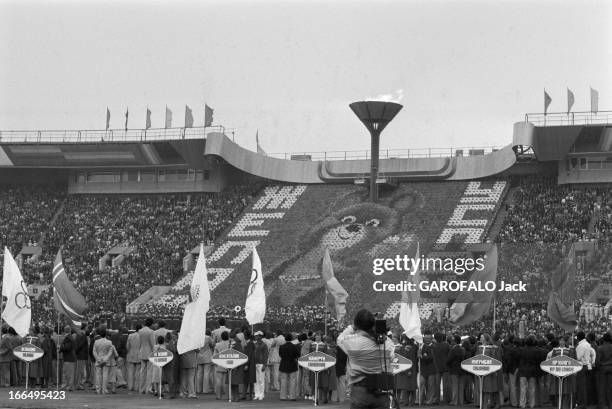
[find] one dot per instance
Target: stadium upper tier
(207, 148)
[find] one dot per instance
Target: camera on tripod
(380, 331)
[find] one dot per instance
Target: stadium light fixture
(375, 115)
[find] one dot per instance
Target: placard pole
(316, 391)
(480, 378)
(229, 385)
(560, 392)
(27, 375)
(161, 370)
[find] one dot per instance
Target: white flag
(193, 327)
(18, 310)
(255, 307)
(409, 317)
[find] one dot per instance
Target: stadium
(131, 207)
(297, 241)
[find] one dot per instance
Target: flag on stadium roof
(107, 118)
(188, 117)
(18, 310)
(208, 115)
(127, 113)
(148, 120)
(193, 326)
(335, 294)
(547, 101)
(471, 305)
(570, 100)
(168, 123)
(409, 317)
(255, 306)
(594, 101)
(67, 300)
(259, 148)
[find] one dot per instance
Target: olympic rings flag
(255, 306)
(18, 310)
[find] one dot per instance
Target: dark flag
(127, 113)
(188, 117)
(107, 118)
(208, 116)
(547, 101)
(563, 290)
(471, 305)
(148, 120)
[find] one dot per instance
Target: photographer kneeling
(369, 353)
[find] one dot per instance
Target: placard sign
(481, 365)
(230, 359)
(28, 352)
(161, 357)
(400, 364)
(317, 361)
(561, 366)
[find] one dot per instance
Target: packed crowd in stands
(546, 212)
(542, 221)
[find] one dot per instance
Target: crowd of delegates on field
(106, 360)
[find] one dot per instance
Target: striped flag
(67, 299)
(335, 294)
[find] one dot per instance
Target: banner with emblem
(18, 310)
(193, 326)
(255, 306)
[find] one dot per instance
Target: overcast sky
(467, 70)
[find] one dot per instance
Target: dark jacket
(603, 356)
(67, 348)
(529, 362)
(510, 358)
(341, 359)
(289, 354)
(81, 347)
(440, 353)
(120, 343)
(456, 355)
(428, 366)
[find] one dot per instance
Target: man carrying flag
(18, 310)
(193, 326)
(67, 300)
(335, 294)
(192, 335)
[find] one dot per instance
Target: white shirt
(585, 353)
